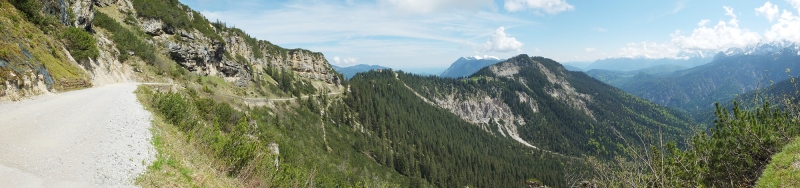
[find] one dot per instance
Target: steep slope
(720, 80)
(107, 41)
(33, 60)
(349, 72)
(466, 66)
(438, 146)
(536, 101)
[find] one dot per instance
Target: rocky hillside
(538, 103)
(35, 57)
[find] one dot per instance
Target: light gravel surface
(97, 137)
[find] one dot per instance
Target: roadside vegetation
(242, 143)
(81, 44)
(746, 147)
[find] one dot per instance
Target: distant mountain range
(466, 66)
(349, 72)
(631, 64)
(616, 77)
(731, 73)
(572, 68)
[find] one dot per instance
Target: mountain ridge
(515, 97)
(465, 66)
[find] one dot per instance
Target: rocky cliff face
(486, 112)
(229, 53)
(233, 58)
(76, 13)
(561, 89)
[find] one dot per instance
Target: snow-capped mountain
(778, 47)
(485, 57)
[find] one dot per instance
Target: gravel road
(97, 137)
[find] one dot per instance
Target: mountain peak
(484, 57)
(466, 66)
(765, 48)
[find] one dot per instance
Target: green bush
(125, 40)
(80, 44)
(734, 152)
(30, 8)
(175, 109)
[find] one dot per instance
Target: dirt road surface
(97, 137)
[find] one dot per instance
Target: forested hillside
(420, 140)
(551, 108)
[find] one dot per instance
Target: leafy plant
(125, 40)
(80, 43)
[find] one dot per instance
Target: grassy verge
(784, 169)
(179, 163)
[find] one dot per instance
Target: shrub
(125, 40)
(175, 109)
(80, 43)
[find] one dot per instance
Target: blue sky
(420, 34)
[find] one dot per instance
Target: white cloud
(590, 50)
(729, 12)
(370, 31)
(786, 28)
(344, 61)
(649, 50)
(795, 4)
(548, 6)
(769, 11)
(501, 42)
(722, 36)
(429, 6)
(703, 23)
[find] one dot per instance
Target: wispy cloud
(548, 6)
(386, 27)
(431, 6)
(344, 62)
(678, 7)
